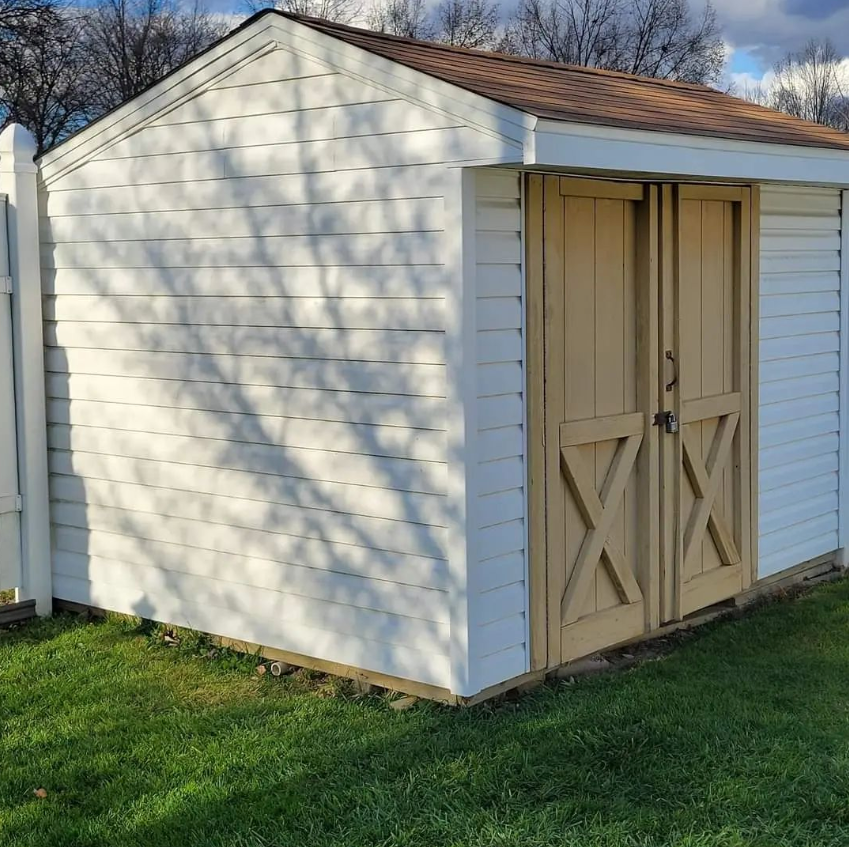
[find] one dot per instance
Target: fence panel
(10, 501)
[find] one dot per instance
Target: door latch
(667, 420)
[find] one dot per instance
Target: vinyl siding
(799, 375)
(499, 642)
(245, 353)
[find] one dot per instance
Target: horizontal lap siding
(244, 327)
(499, 642)
(799, 375)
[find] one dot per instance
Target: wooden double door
(641, 406)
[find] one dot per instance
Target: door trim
(535, 387)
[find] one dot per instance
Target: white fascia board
(590, 148)
(178, 87)
(272, 32)
(474, 110)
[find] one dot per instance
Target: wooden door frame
(535, 405)
(544, 650)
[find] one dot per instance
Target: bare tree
(812, 84)
(754, 92)
(658, 38)
(340, 11)
(18, 17)
(133, 43)
(665, 40)
(407, 18)
(578, 32)
(39, 78)
(467, 23)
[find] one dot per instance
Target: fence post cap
(17, 149)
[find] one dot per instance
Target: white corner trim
(460, 356)
(590, 147)
(843, 442)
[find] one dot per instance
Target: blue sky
(743, 62)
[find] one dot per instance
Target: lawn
(738, 737)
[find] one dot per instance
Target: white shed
(437, 366)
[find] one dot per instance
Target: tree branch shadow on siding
(303, 521)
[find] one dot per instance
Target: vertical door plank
(555, 406)
(754, 381)
(714, 337)
(647, 512)
(631, 351)
(690, 331)
(746, 459)
(581, 345)
(609, 389)
(671, 552)
(729, 492)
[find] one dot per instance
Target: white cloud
(769, 29)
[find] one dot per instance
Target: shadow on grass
(740, 737)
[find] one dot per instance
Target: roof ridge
(326, 25)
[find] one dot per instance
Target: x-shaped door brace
(706, 479)
(599, 512)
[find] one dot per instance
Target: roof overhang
(593, 149)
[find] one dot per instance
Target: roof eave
(593, 148)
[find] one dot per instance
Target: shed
(436, 366)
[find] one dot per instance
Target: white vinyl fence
(24, 521)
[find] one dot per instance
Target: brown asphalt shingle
(588, 96)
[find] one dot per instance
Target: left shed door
(600, 330)
(10, 525)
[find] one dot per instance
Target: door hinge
(5, 285)
(11, 503)
(667, 420)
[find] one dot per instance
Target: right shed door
(705, 329)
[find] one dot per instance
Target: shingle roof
(590, 96)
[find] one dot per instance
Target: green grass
(739, 737)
